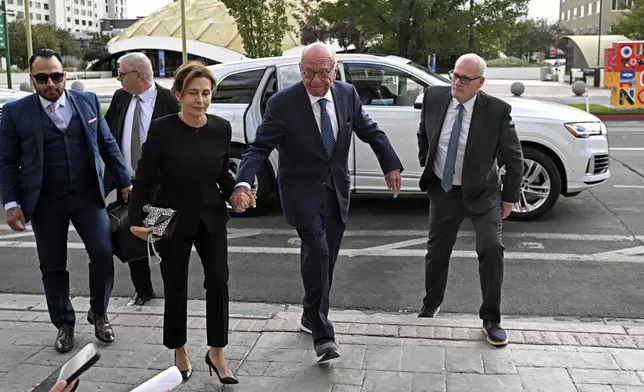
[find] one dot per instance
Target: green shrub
(509, 62)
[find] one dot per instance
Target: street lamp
(184, 44)
(30, 48)
(599, 33)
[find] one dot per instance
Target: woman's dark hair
(189, 71)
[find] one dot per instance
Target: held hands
(126, 192)
(141, 232)
(394, 182)
(242, 198)
(16, 219)
(506, 209)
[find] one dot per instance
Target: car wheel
(540, 188)
(263, 188)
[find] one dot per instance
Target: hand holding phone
(79, 363)
(63, 386)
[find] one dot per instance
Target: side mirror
(419, 101)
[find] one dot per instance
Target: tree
(630, 23)
(535, 35)
(44, 35)
(412, 28)
(97, 48)
(262, 25)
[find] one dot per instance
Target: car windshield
(428, 72)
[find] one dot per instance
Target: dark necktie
(327, 128)
(135, 141)
(452, 148)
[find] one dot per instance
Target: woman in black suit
(188, 154)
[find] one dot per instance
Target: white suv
(565, 149)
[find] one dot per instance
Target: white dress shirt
(148, 98)
(64, 110)
(330, 108)
(446, 132)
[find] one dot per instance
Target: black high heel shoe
(226, 380)
(185, 374)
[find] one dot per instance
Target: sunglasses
(43, 78)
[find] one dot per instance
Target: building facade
(582, 16)
(77, 16)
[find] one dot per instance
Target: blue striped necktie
(327, 128)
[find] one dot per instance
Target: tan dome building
(211, 35)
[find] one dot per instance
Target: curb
(259, 318)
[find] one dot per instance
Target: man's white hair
(139, 62)
(481, 66)
(322, 45)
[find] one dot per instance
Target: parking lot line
(266, 250)
(629, 186)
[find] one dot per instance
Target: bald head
(318, 51)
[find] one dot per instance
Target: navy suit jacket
(21, 148)
(289, 125)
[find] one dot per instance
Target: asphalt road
(557, 266)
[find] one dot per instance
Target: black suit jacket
(166, 103)
(289, 125)
(191, 167)
(491, 135)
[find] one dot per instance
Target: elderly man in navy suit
(312, 123)
(51, 145)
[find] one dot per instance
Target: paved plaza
(381, 352)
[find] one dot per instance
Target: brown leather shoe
(102, 328)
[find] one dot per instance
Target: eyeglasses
(43, 78)
(322, 73)
(122, 75)
(464, 79)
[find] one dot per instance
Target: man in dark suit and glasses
(312, 124)
(462, 133)
(132, 109)
(51, 145)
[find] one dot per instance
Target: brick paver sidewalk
(380, 352)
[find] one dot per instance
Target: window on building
(46, 6)
(621, 5)
(574, 13)
(239, 87)
(46, 18)
(84, 23)
(20, 2)
(38, 17)
(598, 6)
(76, 22)
(581, 11)
(563, 16)
(69, 20)
(590, 9)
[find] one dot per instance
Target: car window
(382, 85)
(288, 75)
(269, 91)
(238, 87)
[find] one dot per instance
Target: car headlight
(583, 130)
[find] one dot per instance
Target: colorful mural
(624, 73)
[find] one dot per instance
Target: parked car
(8, 95)
(565, 149)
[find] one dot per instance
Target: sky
(538, 8)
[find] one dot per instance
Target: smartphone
(72, 369)
(79, 363)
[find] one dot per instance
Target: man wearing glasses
(312, 123)
(462, 133)
(131, 111)
(51, 145)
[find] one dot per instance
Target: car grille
(597, 164)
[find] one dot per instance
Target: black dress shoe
(305, 324)
(225, 380)
(102, 328)
(326, 349)
(185, 374)
(429, 312)
(65, 339)
(496, 336)
(139, 300)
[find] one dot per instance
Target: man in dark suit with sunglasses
(51, 145)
